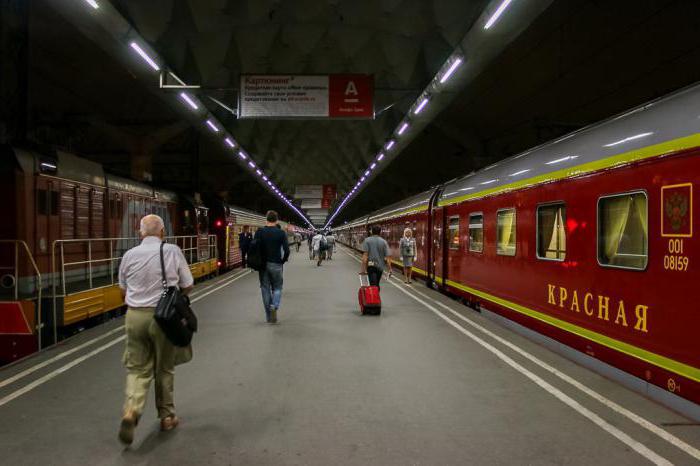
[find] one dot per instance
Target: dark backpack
(256, 255)
(323, 246)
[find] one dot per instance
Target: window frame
(515, 219)
(469, 236)
(537, 231)
(449, 229)
(597, 230)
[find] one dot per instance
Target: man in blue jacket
(273, 241)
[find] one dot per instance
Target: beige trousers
(148, 355)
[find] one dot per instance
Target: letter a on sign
(350, 89)
(351, 96)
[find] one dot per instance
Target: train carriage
(589, 240)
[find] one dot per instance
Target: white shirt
(316, 242)
(140, 273)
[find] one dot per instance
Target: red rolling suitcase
(368, 296)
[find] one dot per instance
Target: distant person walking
(244, 240)
(319, 245)
(375, 256)
(297, 240)
(149, 354)
(407, 246)
(330, 240)
(275, 251)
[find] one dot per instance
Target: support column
(14, 66)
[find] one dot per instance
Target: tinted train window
(505, 232)
(453, 233)
(551, 232)
(203, 221)
(623, 231)
(476, 232)
(42, 200)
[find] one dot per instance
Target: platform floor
(418, 385)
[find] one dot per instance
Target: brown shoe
(127, 428)
(169, 423)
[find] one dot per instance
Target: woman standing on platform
(407, 246)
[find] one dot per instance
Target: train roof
(130, 186)
(245, 213)
(67, 166)
(661, 127)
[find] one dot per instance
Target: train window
(505, 232)
(453, 233)
(551, 231)
(42, 201)
(203, 221)
(476, 232)
(623, 231)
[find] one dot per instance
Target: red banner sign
(350, 96)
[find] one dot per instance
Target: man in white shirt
(149, 354)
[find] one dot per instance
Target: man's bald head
(152, 225)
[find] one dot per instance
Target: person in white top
(149, 354)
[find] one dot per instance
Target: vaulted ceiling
(579, 62)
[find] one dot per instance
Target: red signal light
(218, 263)
(218, 223)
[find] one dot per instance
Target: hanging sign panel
(308, 191)
(311, 203)
(306, 96)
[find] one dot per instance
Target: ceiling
(579, 62)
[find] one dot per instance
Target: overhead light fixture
(241, 154)
(403, 128)
(230, 143)
(497, 14)
(145, 56)
(381, 156)
(367, 173)
(563, 159)
(251, 164)
(258, 172)
(450, 70)
(189, 100)
(92, 3)
(373, 166)
(628, 139)
(421, 106)
(390, 144)
(212, 126)
(264, 178)
(362, 179)
(489, 181)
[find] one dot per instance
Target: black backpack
(256, 256)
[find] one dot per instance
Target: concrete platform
(427, 382)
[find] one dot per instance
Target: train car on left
(67, 224)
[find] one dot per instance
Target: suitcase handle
(366, 278)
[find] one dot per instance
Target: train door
(47, 210)
(435, 229)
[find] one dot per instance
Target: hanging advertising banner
(308, 191)
(306, 96)
(311, 203)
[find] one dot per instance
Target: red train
(589, 240)
(66, 225)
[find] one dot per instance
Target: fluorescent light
(241, 154)
(230, 143)
(373, 166)
(403, 128)
(520, 172)
(367, 173)
(390, 144)
(93, 4)
(362, 179)
(251, 164)
(270, 183)
(48, 165)
(489, 181)
(563, 159)
(264, 178)
(499, 11)
(212, 126)
(145, 56)
(631, 138)
(381, 156)
(466, 189)
(189, 100)
(421, 106)
(450, 70)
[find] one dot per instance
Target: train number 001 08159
(675, 260)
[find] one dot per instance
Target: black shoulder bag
(173, 312)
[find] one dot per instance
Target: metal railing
(23, 246)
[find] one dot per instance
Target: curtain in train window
(476, 232)
(505, 232)
(453, 233)
(623, 231)
(551, 232)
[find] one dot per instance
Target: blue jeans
(271, 286)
